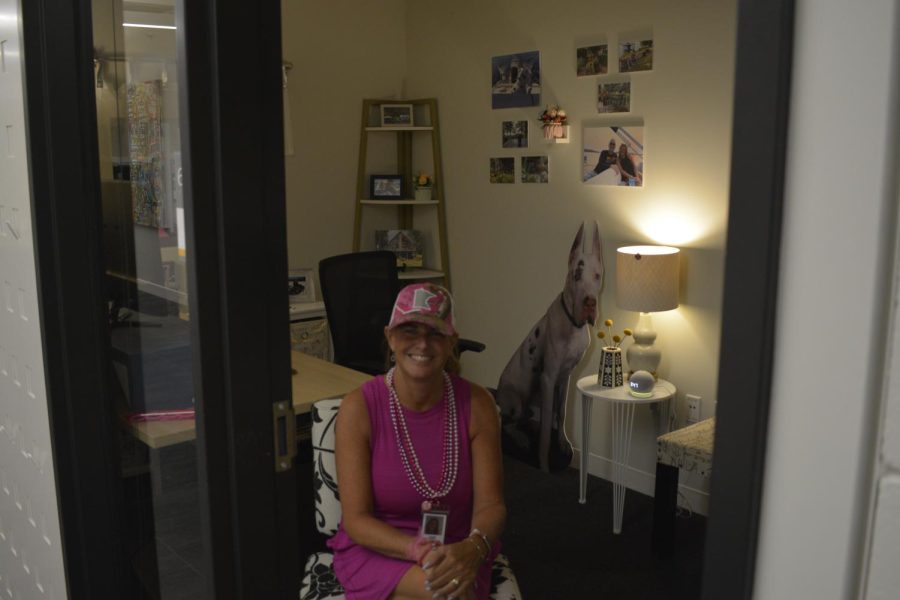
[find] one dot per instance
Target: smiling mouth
(419, 357)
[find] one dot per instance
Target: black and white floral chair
(319, 581)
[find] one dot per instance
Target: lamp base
(643, 355)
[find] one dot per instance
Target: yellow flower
(601, 334)
(608, 322)
(627, 331)
(617, 339)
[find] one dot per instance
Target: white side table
(622, 407)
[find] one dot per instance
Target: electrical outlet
(693, 408)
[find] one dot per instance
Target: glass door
(137, 78)
(207, 510)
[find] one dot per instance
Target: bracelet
(484, 538)
(482, 556)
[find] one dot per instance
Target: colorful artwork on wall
(503, 170)
(535, 169)
(515, 134)
(516, 80)
(614, 97)
(144, 102)
(613, 155)
(635, 56)
(591, 60)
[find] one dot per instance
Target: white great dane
(533, 386)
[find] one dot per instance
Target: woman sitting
(419, 445)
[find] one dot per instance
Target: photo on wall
(515, 134)
(614, 97)
(535, 169)
(516, 80)
(613, 155)
(636, 56)
(591, 60)
(503, 170)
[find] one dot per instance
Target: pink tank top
(395, 500)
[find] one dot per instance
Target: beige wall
(342, 51)
(509, 243)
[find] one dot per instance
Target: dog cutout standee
(533, 386)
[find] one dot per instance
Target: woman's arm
(463, 559)
(489, 507)
(353, 459)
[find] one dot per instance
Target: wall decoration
(533, 386)
(386, 187)
(503, 170)
(613, 155)
(591, 60)
(406, 244)
(636, 56)
(554, 122)
(516, 80)
(535, 169)
(301, 285)
(144, 102)
(515, 134)
(396, 115)
(614, 97)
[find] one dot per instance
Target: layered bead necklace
(408, 456)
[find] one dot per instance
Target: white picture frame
(301, 286)
(396, 115)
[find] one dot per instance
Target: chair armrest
(466, 344)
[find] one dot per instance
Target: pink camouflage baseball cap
(425, 303)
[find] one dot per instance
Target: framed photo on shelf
(386, 187)
(301, 286)
(406, 244)
(396, 115)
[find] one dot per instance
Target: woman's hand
(451, 570)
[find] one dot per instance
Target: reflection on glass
(136, 75)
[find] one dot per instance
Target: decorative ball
(641, 384)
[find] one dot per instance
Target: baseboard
(643, 482)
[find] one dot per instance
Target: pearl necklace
(408, 455)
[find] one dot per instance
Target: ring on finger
(455, 581)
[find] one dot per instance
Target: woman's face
(623, 150)
(421, 352)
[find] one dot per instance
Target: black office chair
(359, 291)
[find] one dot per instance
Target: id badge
(434, 522)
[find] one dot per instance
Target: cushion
(320, 582)
(327, 498)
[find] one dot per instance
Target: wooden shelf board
(420, 274)
(413, 128)
(395, 202)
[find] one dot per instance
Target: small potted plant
(554, 121)
(423, 184)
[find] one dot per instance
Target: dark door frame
(238, 260)
(765, 31)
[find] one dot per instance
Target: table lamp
(647, 282)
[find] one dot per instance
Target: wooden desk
(316, 379)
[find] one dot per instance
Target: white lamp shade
(647, 278)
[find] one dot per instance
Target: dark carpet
(560, 549)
